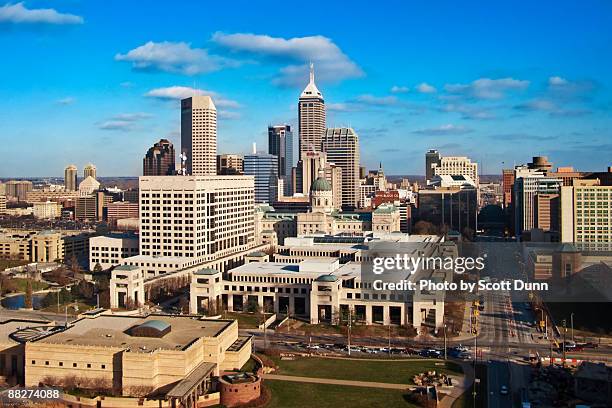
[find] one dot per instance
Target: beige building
(586, 215)
(90, 171)
(120, 210)
(47, 209)
(17, 189)
(321, 288)
(70, 178)
(43, 246)
(230, 164)
(171, 357)
(199, 135)
(2, 204)
(341, 146)
(311, 117)
(456, 165)
(88, 186)
(110, 250)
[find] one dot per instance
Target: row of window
(74, 365)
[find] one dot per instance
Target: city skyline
(545, 88)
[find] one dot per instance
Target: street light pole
(445, 348)
(349, 331)
(572, 324)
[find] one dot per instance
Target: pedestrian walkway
(352, 383)
(463, 385)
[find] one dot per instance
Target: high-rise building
(264, 168)
(526, 190)
(308, 170)
(89, 170)
(586, 214)
(18, 189)
(456, 166)
(432, 158)
(507, 182)
(205, 217)
(70, 178)
(311, 117)
(341, 145)
(280, 144)
(159, 160)
(199, 135)
(230, 164)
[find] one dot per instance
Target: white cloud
(331, 64)
(132, 116)
(230, 115)
(182, 92)
(120, 125)
(399, 89)
(468, 111)
(486, 88)
(377, 100)
(18, 14)
(556, 81)
(66, 101)
(443, 130)
(424, 87)
(177, 57)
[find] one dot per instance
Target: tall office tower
(333, 174)
(456, 166)
(432, 158)
(311, 117)
(18, 189)
(526, 190)
(507, 182)
(203, 218)
(546, 212)
(230, 164)
(586, 210)
(159, 160)
(341, 145)
(264, 168)
(89, 170)
(70, 178)
(280, 144)
(199, 135)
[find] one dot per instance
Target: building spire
(311, 72)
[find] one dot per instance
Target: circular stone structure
(240, 388)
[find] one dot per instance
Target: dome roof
(321, 184)
(326, 278)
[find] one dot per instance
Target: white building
(312, 282)
(455, 165)
(341, 146)
(110, 250)
(47, 209)
(199, 135)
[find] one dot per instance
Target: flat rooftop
(113, 331)
(293, 270)
(8, 326)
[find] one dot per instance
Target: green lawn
(398, 372)
(304, 395)
(22, 283)
(245, 320)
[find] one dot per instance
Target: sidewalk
(336, 382)
(462, 386)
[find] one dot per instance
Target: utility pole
(445, 348)
(564, 334)
(389, 348)
(349, 331)
(572, 324)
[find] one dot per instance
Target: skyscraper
(89, 170)
(159, 160)
(199, 135)
(280, 144)
(311, 117)
(70, 178)
(264, 168)
(342, 148)
(432, 157)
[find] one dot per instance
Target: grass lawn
(21, 285)
(245, 320)
(304, 395)
(398, 372)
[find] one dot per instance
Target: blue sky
(97, 81)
